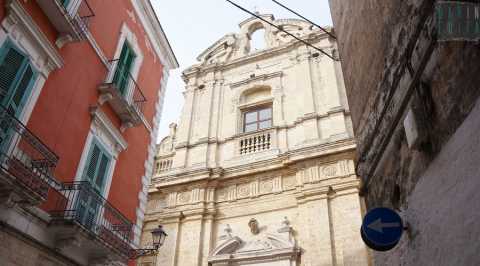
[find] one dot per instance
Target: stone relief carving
(266, 186)
(222, 194)
(289, 182)
(254, 228)
(227, 233)
(184, 197)
(243, 190)
(279, 246)
(330, 170)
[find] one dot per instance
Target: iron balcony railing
(81, 204)
(121, 78)
(24, 157)
(81, 18)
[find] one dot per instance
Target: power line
(282, 30)
(311, 22)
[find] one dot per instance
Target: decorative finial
(285, 221)
(228, 230)
(255, 10)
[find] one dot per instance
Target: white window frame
(127, 35)
(22, 31)
(109, 145)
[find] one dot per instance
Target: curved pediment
(229, 246)
(267, 247)
(167, 144)
(219, 51)
(236, 45)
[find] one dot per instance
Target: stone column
(314, 231)
(184, 128)
(191, 239)
(304, 82)
(207, 237)
(332, 92)
(167, 254)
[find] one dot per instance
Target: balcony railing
(81, 205)
(24, 159)
(81, 18)
(70, 18)
(256, 142)
(163, 166)
(123, 94)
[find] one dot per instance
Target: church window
(257, 119)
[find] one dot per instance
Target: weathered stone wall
(319, 197)
(15, 250)
(392, 64)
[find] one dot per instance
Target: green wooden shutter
(12, 61)
(16, 80)
(95, 172)
(91, 166)
(102, 170)
(96, 168)
(124, 66)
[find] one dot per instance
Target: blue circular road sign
(381, 229)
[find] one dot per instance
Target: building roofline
(155, 33)
(164, 36)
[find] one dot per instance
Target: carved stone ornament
(254, 228)
(276, 249)
(330, 170)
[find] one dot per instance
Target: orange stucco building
(82, 86)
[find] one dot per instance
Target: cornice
(256, 78)
(155, 33)
(101, 119)
(331, 191)
(278, 162)
(196, 69)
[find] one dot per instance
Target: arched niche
(255, 95)
(257, 36)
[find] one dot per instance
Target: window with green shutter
(95, 172)
(16, 81)
(124, 65)
(96, 167)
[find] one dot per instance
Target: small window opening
(257, 40)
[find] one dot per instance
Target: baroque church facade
(260, 169)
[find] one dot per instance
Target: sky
(192, 26)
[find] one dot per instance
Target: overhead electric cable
(311, 22)
(282, 30)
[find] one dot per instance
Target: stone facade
(414, 103)
(286, 194)
(27, 253)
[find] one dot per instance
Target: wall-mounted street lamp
(158, 238)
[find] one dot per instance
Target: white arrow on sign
(378, 226)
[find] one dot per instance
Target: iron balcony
(70, 18)
(124, 95)
(86, 224)
(26, 163)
